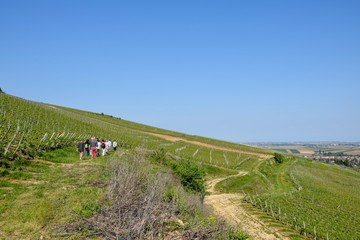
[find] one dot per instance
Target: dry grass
(137, 208)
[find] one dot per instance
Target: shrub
(191, 176)
(145, 203)
(159, 156)
(279, 158)
(142, 201)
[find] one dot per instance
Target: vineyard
(28, 129)
(319, 201)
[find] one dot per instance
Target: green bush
(279, 158)
(159, 156)
(191, 176)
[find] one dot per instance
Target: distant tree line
(336, 154)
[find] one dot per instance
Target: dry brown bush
(137, 207)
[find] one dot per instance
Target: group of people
(93, 147)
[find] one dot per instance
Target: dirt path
(207, 145)
(230, 207)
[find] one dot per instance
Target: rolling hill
(304, 199)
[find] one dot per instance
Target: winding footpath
(230, 207)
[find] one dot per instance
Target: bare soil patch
(29, 181)
(231, 208)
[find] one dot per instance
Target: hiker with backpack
(81, 148)
(87, 149)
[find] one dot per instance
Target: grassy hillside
(140, 128)
(317, 200)
(40, 197)
(46, 191)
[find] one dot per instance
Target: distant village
(338, 158)
(328, 152)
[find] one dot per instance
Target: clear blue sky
(241, 71)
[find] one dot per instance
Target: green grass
(250, 183)
(249, 164)
(329, 193)
(276, 175)
(298, 191)
(56, 196)
(215, 171)
(63, 155)
(324, 197)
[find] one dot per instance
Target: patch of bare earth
(230, 207)
(207, 145)
(28, 181)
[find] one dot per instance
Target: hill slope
(312, 198)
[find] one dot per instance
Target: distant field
(301, 150)
(280, 150)
(284, 150)
(295, 151)
(354, 152)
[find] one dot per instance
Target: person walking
(114, 145)
(98, 147)
(81, 148)
(93, 145)
(103, 147)
(87, 150)
(109, 144)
